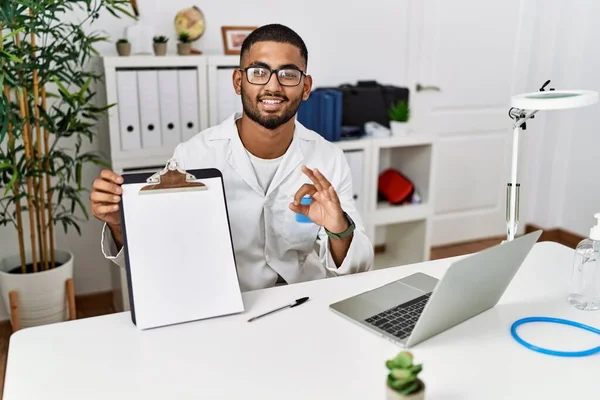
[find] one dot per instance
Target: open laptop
(417, 307)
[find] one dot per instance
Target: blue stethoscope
(583, 353)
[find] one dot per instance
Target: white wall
(563, 146)
(346, 41)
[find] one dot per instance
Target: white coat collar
(239, 160)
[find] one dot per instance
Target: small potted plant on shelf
(399, 114)
(402, 379)
(123, 47)
(184, 47)
(160, 45)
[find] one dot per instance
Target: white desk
(308, 352)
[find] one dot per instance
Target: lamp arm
(512, 203)
(520, 116)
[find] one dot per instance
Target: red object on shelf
(395, 187)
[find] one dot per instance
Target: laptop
(415, 308)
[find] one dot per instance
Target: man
(269, 162)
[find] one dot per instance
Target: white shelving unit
(403, 230)
(162, 101)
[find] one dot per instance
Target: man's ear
(237, 81)
(307, 87)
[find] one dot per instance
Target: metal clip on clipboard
(172, 179)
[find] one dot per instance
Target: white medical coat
(267, 239)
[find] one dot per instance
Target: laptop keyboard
(400, 320)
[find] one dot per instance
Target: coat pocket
(300, 235)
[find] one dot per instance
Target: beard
(268, 120)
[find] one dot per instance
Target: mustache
(272, 95)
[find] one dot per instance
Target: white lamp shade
(554, 99)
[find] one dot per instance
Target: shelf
(403, 141)
(144, 61)
(386, 214)
(224, 61)
(352, 144)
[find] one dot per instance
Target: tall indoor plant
(47, 113)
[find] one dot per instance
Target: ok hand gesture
(325, 209)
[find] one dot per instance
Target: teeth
(272, 101)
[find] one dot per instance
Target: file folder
(128, 106)
(188, 102)
(149, 108)
(178, 247)
(228, 102)
(169, 108)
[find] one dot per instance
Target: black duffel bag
(369, 101)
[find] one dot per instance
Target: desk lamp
(523, 107)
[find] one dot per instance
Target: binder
(169, 108)
(228, 101)
(322, 113)
(149, 108)
(129, 117)
(188, 102)
(178, 247)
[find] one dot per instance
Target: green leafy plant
(122, 40)
(160, 39)
(403, 374)
(46, 99)
(184, 37)
(399, 111)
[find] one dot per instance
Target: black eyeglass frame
(271, 71)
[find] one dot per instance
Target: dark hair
(274, 33)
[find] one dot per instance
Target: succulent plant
(184, 37)
(399, 111)
(160, 39)
(402, 376)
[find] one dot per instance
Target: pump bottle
(584, 285)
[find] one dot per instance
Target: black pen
(294, 304)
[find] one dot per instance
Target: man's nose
(273, 84)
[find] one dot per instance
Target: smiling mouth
(272, 101)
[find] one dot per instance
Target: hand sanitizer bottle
(584, 290)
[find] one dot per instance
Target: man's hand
(325, 209)
(105, 198)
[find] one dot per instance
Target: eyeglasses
(262, 75)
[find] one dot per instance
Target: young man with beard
(269, 162)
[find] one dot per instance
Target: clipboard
(178, 247)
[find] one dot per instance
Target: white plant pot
(42, 296)
(399, 128)
(393, 395)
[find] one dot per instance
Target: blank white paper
(180, 255)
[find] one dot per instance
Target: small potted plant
(123, 47)
(402, 379)
(399, 114)
(184, 47)
(160, 45)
